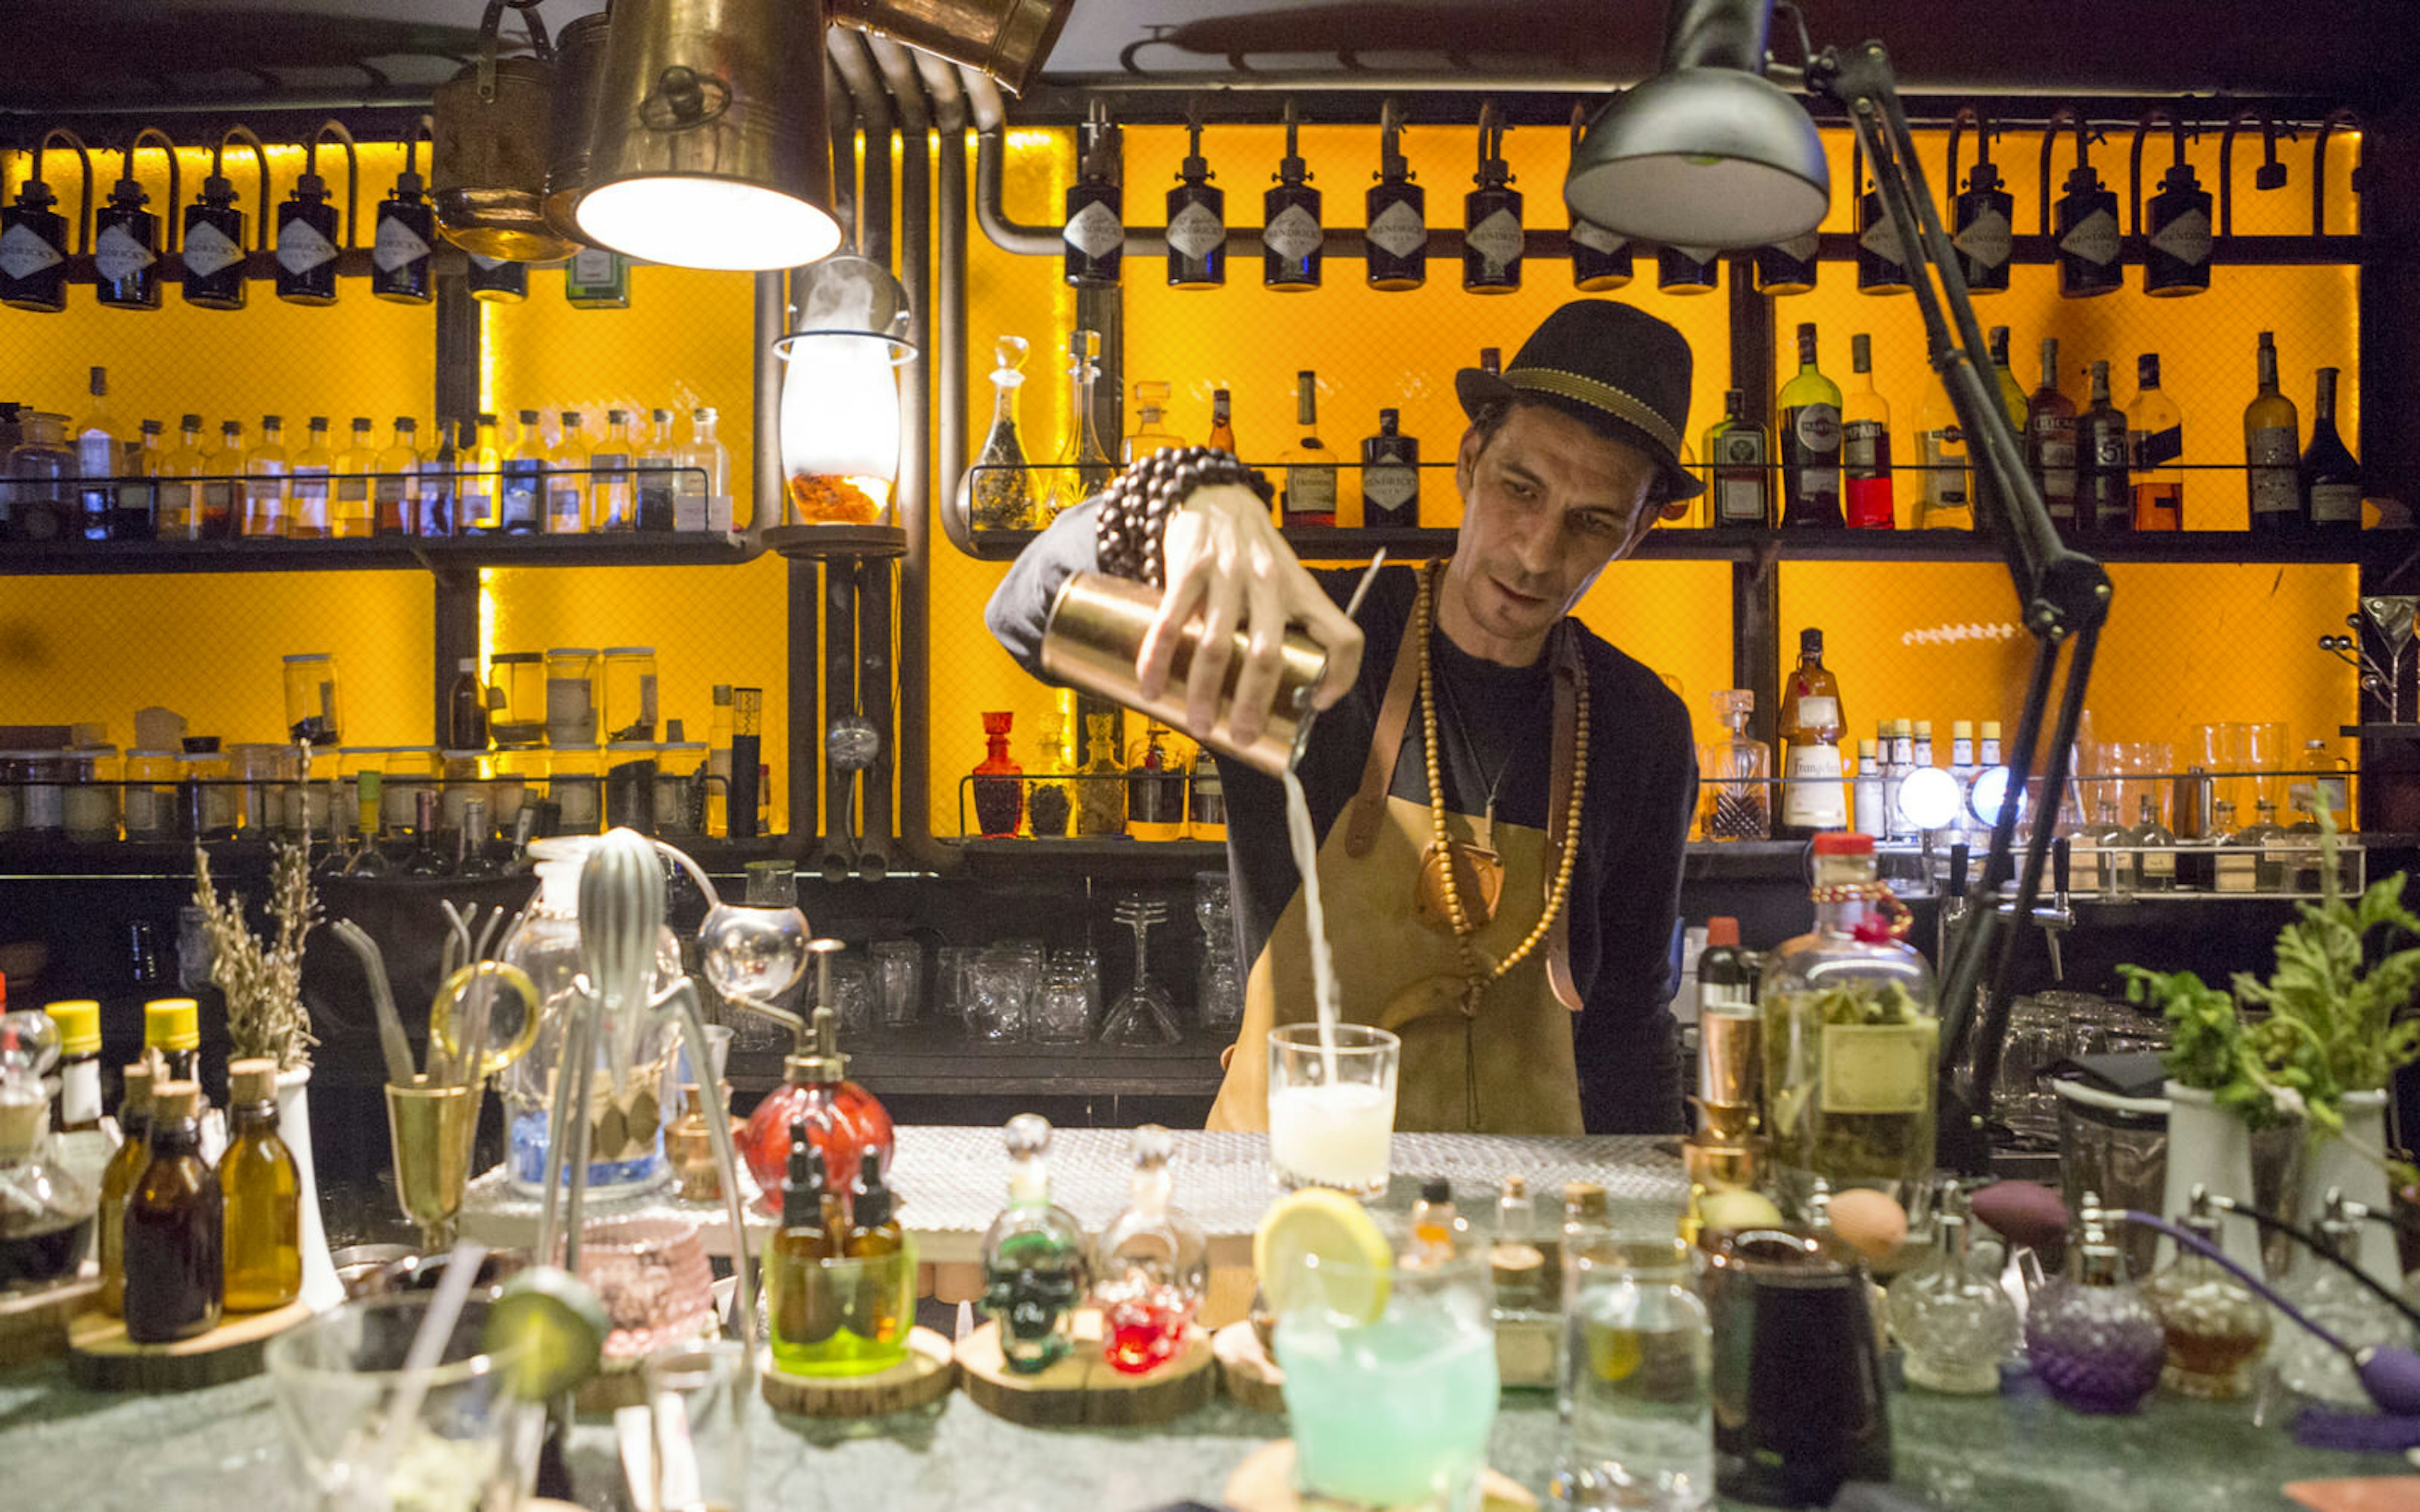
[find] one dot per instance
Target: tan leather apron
(1499, 1065)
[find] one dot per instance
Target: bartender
(1503, 798)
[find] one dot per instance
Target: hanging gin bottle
(1980, 220)
(310, 235)
(126, 237)
(1197, 219)
(1491, 237)
(1396, 233)
(212, 243)
(33, 238)
(1094, 233)
(1292, 236)
(407, 230)
(2085, 230)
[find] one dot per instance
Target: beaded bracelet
(1891, 917)
(1136, 506)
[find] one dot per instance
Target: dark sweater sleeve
(1020, 607)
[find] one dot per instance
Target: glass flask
(2332, 1298)
(999, 790)
(1036, 1265)
(626, 1114)
(1151, 1265)
(1738, 800)
(1047, 806)
(1001, 486)
(1082, 467)
(2215, 1328)
(46, 1210)
(2094, 1338)
(1849, 1040)
(1954, 1327)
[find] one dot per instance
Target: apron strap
(1368, 809)
(1570, 670)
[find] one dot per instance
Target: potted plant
(2314, 1047)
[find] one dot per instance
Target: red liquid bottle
(999, 790)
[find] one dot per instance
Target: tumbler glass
(854, 1001)
(950, 963)
(1069, 1002)
(1332, 1108)
(1637, 1394)
(1001, 984)
(698, 1406)
(314, 712)
(628, 693)
(571, 696)
(899, 972)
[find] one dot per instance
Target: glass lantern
(840, 395)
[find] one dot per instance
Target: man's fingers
(1256, 685)
(1166, 629)
(1218, 617)
(1326, 623)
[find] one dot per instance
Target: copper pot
(1006, 39)
(489, 149)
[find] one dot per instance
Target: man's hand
(1227, 563)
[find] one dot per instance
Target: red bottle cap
(1722, 930)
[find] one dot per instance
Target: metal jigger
(431, 1129)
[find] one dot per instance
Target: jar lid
(172, 1023)
(571, 651)
(79, 1025)
(515, 658)
(310, 655)
(1844, 842)
(252, 1080)
(629, 650)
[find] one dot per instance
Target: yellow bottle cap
(79, 1022)
(172, 1023)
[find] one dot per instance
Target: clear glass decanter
(1152, 1264)
(2215, 1327)
(1954, 1327)
(1082, 468)
(1047, 806)
(1002, 488)
(1739, 768)
(1101, 783)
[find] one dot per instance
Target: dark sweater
(1494, 725)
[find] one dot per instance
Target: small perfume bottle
(1034, 1256)
(2096, 1341)
(2215, 1327)
(2329, 1297)
(1954, 1327)
(844, 1119)
(1152, 1265)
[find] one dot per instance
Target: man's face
(1547, 503)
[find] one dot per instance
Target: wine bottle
(1810, 442)
(1309, 496)
(2050, 442)
(1865, 445)
(2272, 439)
(2105, 505)
(2155, 436)
(2331, 480)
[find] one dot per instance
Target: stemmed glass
(1143, 1013)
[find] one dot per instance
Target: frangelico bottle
(1810, 442)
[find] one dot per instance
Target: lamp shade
(1701, 157)
(711, 146)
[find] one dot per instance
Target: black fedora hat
(1619, 369)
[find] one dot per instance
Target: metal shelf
(378, 554)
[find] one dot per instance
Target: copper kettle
(490, 147)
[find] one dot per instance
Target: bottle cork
(252, 1080)
(136, 1099)
(174, 1101)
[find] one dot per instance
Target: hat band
(1597, 394)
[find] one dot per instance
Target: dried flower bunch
(262, 981)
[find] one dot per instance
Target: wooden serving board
(102, 1357)
(1264, 1483)
(1251, 1377)
(923, 1378)
(34, 1324)
(1083, 1389)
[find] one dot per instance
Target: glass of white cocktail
(1332, 1106)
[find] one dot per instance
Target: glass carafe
(1101, 783)
(1048, 807)
(1082, 468)
(1737, 781)
(1001, 487)
(999, 789)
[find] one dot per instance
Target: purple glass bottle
(2096, 1341)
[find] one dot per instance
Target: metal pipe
(990, 112)
(2064, 116)
(2345, 117)
(768, 497)
(846, 51)
(840, 699)
(2271, 174)
(260, 157)
(352, 174)
(1966, 115)
(172, 221)
(84, 156)
(2134, 162)
(1001, 232)
(840, 121)
(914, 494)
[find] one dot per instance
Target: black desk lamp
(1710, 153)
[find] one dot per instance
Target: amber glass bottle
(174, 1222)
(117, 1179)
(262, 1194)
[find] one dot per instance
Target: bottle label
(1882, 240)
(301, 248)
(388, 490)
(217, 498)
(1814, 792)
(2159, 861)
(1311, 490)
(1294, 235)
(1985, 239)
(2276, 489)
(1197, 231)
(2094, 239)
(2108, 447)
(116, 254)
(175, 499)
(1596, 238)
(609, 466)
(592, 266)
(1817, 428)
(1800, 249)
(2186, 239)
(1818, 711)
(23, 253)
(1944, 468)
(398, 244)
(2236, 871)
(1389, 486)
(1739, 478)
(1865, 446)
(1871, 816)
(1701, 257)
(1399, 230)
(1096, 230)
(563, 504)
(2154, 447)
(2335, 504)
(1497, 241)
(353, 489)
(207, 251)
(1877, 1068)
(487, 265)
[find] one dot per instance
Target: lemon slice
(1613, 1352)
(550, 1329)
(1330, 1229)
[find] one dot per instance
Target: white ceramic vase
(2362, 1177)
(322, 1288)
(2210, 1146)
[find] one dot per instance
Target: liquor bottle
(1100, 782)
(118, 1179)
(2084, 227)
(1736, 450)
(521, 489)
(261, 1191)
(1491, 219)
(172, 1228)
(438, 485)
(654, 479)
(1601, 259)
(2175, 242)
(2050, 442)
(1000, 487)
(307, 490)
(1981, 223)
(427, 858)
(1205, 799)
(613, 493)
(1813, 796)
(1810, 442)
(2104, 503)
(597, 278)
(497, 279)
(1954, 1326)
(1197, 221)
(223, 498)
(1223, 424)
(793, 1262)
(308, 241)
(1093, 235)
(1881, 263)
(2012, 394)
(1290, 232)
(1082, 468)
(471, 858)
(2102, 854)
(96, 446)
(211, 248)
(2331, 479)
(2214, 1327)
(1152, 1267)
(1787, 267)
(2155, 438)
(395, 493)
(466, 708)
(179, 501)
(566, 478)
(2155, 858)
(1049, 805)
(478, 509)
(136, 514)
(1902, 764)
(77, 1106)
(1944, 498)
(349, 514)
(1308, 495)
(1865, 446)
(264, 488)
(125, 247)
(1738, 774)
(1156, 766)
(2272, 444)
(1151, 432)
(1035, 1269)
(364, 859)
(1390, 474)
(704, 500)
(406, 233)
(1396, 214)
(1869, 812)
(999, 783)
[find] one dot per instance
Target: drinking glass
(2137, 764)
(1333, 1108)
(2218, 749)
(950, 964)
(2038, 1039)
(1636, 1393)
(853, 993)
(697, 1408)
(2264, 755)
(1069, 1002)
(1001, 984)
(1394, 1410)
(899, 970)
(1219, 985)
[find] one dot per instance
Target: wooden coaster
(1251, 1377)
(1083, 1389)
(34, 1324)
(923, 1378)
(102, 1358)
(1264, 1483)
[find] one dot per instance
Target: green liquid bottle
(1035, 1269)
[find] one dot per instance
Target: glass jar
(1636, 1391)
(576, 782)
(213, 805)
(262, 772)
(1850, 1041)
(630, 786)
(314, 710)
(465, 775)
(41, 501)
(522, 774)
(13, 793)
(41, 779)
(88, 804)
(680, 788)
(151, 777)
(518, 718)
(408, 771)
(629, 694)
(571, 696)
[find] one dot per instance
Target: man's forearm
(1020, 607)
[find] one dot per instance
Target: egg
(1734, 1210)
(1869, 1221)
